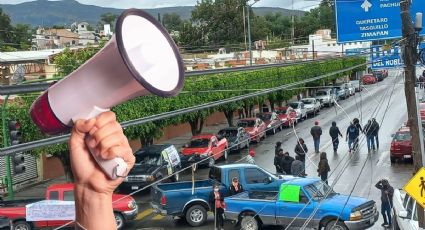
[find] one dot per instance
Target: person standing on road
(278, 161)
(277, 147)
(286, 163)
(387, 192)
(217, 201)
(323, 168)
(370, 138)
(352, 135)
(316, 132)
(375, 128)
(297, 167)
(235, 188)
(334, 132)
(301, 149)
(359, 127)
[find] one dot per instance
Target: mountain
(48, 13)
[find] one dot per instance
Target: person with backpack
(352, 136)
(370, 138)
(323, 168)
(297, 167)
(334, 132)
(301, 149)
(316, 132)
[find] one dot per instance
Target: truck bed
(184, 185)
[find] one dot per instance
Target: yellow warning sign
(416, 187)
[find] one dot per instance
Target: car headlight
(132, 204)
(357, 215)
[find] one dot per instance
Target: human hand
(105, 136)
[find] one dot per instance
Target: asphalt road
(385, 101)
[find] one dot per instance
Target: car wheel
(21, 225)
(196, 215)
(211, 161)
(119, 219)
(333, 225)
(250, 223)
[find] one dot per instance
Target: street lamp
(249, 31)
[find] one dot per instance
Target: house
(86, 36)
(54, 38)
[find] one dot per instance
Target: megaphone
(140, 59)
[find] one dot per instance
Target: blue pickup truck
(190, 200)
(295, 202)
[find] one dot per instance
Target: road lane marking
(144, 214)
(291, 132)
(157, 217)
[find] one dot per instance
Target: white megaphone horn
(140, 59)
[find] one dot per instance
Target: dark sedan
(237, 137)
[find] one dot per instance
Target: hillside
(48, 13)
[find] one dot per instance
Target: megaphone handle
(113, 168)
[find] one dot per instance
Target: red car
(205, 145)
(273, 122)
(401, 145)
(369, 79)
(125, 208)
(287, 115)
(255, 127)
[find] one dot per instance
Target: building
(86, 36)
(54, 38)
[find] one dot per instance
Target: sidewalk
(38, 190)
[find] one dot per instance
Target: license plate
(407, 156)
(134, 187)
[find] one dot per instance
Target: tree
(172, 22)
(6, 31)
(107, 18)
(22, 36)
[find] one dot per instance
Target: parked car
(189, 200)
(273, 123)
(206, 145)
(368, 79)
(312, 105)
(125, 208)
(5, 223)
(405, 215)
(351, 90)
(287, 115)
(422, 113)
(256, 208)
(401, 145)
(237, 137)
(326, 97)
(255, 127)
(153, 163)
(379, 74)
(342, 92)
(299, 107)
(357, 85)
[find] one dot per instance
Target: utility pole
(411, 39)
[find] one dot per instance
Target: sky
(145, 4)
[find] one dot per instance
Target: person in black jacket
(286, 163)
(375, 128)
(235, 188)
(370, 138)
(216, 201)
(334, 132)
(278, 161)
(316, 132)
(301, 149)
(387, 192)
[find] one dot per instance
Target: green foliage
(12, 37)
(107, 18)
(172, 22)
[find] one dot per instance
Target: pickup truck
(190, 200)
(205, 145)
(125, 209)
(297, 200)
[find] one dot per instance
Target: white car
(326, 97)
(350, 88)
(405, 216)
(312, 105)
(299, 107)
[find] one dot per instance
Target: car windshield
(306, 101)
(294, 105)
(319, 190)
(321, 93)
(199, 143)
(228, 133)
(246, 124)
(148, 159)
(265, 117)
(404, 136)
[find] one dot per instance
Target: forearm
(94, 210)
